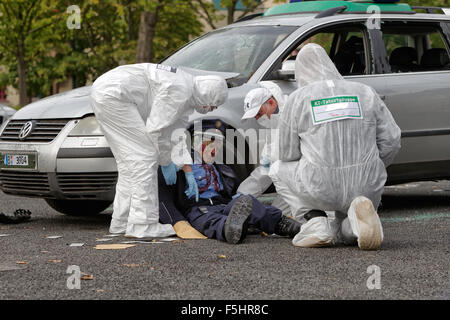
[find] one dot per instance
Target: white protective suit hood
(313, 64)
(209, 91)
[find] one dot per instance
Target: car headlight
(87, 127)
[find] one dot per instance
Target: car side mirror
(287, 71)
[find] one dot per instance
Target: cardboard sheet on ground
(184, 230)
(114, 246)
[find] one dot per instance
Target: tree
(208, 12)
(167, 23)
(25, 29)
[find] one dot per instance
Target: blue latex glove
(170, 173)
(192, 186)
(265, 162)
(237, 195)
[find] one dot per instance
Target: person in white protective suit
(138, 107)
(264, 104)
(336, 139)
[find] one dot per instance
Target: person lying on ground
(216, 214)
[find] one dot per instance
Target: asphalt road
(413, 262)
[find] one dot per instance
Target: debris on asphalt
(140, 241)
(115, 246)
(168, 239)
(76, 244)
(53, 237)
(222, 256)
(55, 261)
(85, 276)
(112, 235)
(10, 267)
(102, 240)
(19, 216)
(4, 235)
(184, 230)
(131, 265)
(21, 262)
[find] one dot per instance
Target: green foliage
(177, 24)
(107, 38)
(26, 34)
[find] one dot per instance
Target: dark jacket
(181, 203)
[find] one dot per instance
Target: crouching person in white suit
(138, 107)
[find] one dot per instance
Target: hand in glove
(265, 162)
(170, 173)
(192, 188)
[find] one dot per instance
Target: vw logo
(26, 130)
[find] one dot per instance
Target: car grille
(81, 185)
(45, 130)
(28, 183)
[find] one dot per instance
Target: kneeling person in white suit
(336, 139)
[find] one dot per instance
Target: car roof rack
(330, 7)
(331, 12)
(249, 17)
(431, 9)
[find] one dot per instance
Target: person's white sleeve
(256, 183)
(168, 106)
(289, 140)
(388, 132)
(180, 148)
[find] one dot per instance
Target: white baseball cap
(253, 101)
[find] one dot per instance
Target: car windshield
(239, 49)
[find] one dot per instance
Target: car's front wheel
(77, 207)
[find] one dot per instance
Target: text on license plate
(16, 160)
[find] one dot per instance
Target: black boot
(287, 227)
(20, 215)
(236, 225)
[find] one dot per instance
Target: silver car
(53, 148)
(6, 113)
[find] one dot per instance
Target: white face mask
(264, 121)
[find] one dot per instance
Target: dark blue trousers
(210, 220)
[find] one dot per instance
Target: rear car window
(415, 47)
(344, 45)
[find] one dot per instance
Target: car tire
(78, 208)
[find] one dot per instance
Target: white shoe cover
(365, 224)
(117, 226)
(155, 230)
(315, 233)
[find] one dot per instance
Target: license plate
(17, 161)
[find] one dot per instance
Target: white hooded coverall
(138, 107)
(334, 153)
